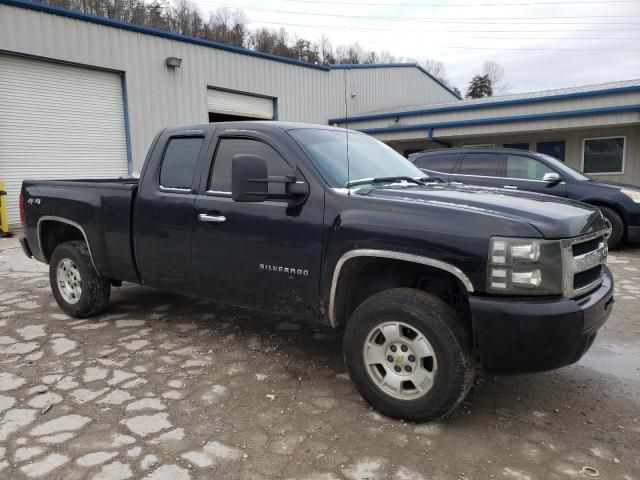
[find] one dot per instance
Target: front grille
(583, 259)
(586, 247)
(586, 278)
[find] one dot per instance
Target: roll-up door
(56, 122)
(234, 104)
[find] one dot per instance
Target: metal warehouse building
(83, 96)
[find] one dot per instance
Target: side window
(179, 162)
(480, 164)
(220, 180)
(525, 168)
(438, 163)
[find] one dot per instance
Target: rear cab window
(179, 162)
(442, 163)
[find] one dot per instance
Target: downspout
(435, 140)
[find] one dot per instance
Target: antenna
(346, 126)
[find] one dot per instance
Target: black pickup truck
(426, 278)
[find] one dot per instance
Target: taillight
(21, 208)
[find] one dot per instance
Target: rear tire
(430, 332)
(616, 224)
(76, 286)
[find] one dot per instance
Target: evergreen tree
(480, 87)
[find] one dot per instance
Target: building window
(554, 149)
(603, 155)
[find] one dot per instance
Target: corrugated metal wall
(158, 96)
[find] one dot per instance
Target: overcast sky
(569, 43)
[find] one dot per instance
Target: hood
(613, 185)
(553, 217)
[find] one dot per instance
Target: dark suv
(537, 172)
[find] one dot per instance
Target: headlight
(522, 266)
(634, 195)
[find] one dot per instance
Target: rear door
(522, 172)
(163, 213)
(263, 255)
(481, 169)
(438, 165)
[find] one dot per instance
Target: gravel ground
(167, 387)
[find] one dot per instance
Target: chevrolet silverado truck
(427, 279)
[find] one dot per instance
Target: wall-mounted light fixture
(173, 62)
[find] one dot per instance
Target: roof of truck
(262, 124)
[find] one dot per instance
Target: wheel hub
(400, 360)
(69, 280)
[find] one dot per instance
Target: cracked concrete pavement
(168, 387)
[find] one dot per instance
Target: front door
(258, 255)
(526, 173)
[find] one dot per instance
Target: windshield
(368, 158)
(564, 169)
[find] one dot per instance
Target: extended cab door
(259, 255)
(522, 172)
(478, 169)
(163, 213)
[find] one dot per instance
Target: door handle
(203, 217)
(455, 183)
(511, 187)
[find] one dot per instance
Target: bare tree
(349, 54)
(496, 74)
(325, 50)
(386, 57)
(435, 68)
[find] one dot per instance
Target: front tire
(409, 355)
(76, 286)
(615, 225)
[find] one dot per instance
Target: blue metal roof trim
(454, 108)
(515, 118)
(153, 31)
(345, 66)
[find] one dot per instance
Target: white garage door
(58, 121)
(242, 105)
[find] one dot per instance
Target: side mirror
(250, 182)
(249, 178)
(552, 177)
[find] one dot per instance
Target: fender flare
(406, 257)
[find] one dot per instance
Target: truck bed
(102, 209)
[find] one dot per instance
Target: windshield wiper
(432, 180)
(363, 181)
